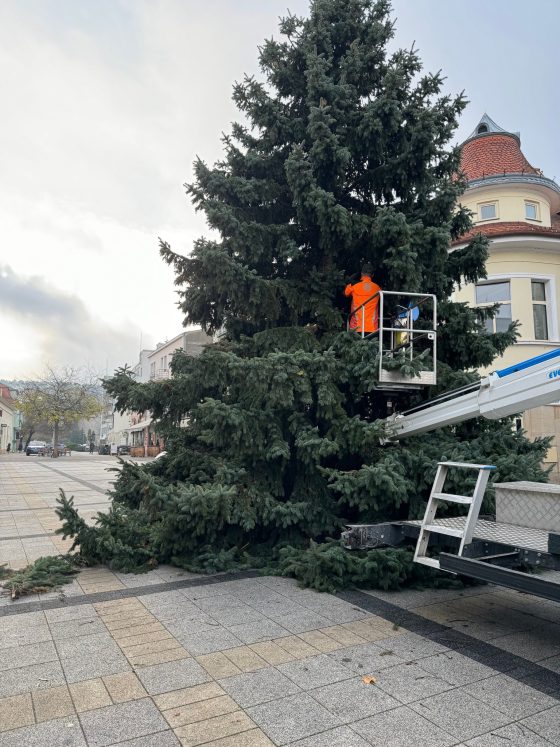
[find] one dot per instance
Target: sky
(106, 104)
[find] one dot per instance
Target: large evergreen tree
(344, 156)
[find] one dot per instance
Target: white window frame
(537, 207)
(541, 303)
(479, 207)
(552, 310)
(490, 281)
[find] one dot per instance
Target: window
(482, 128)
(532, 210)
(488, 210)
(540, 311)
(152, 370)
(488, 294)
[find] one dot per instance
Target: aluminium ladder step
(452, 498)
(466, 465)
(439, 529)
(463, 533)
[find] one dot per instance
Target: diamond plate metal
(491, 531)
(529, 504)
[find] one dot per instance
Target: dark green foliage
(346, 157)
(45, 574)
(329, 567)
(122, 538)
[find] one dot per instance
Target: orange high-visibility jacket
(360, 293)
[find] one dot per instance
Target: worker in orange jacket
(364, 318)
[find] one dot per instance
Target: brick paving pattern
(168, 658)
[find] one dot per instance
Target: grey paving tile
(289, 719)
(260, 630)
(161, 739)
(64, 614)
(192, 627)
(301, 622)
(90, 665)
(173, 606)
(409, 682)
(342, 737)
(25, 679)
(276, 609)
(62, 732)
(253, 688)
(87, 644)
(315, 671)
(353, 700)
(239, 586)
(23, 635)
(25, 620)
(171, 573)
(401, 727)
(460, 714)
(455, 668)
(326, 605)
(546, 723)
(552, 663)
(411, 646)
(544, 680)
(22, 656)
(132, 580)
(366, 658)
(113, 724)
(173, 675)
(223, 602)
(77, 628)
(512, 735)
(509, 696)
(207, 641)
(531, 644)
(204, 591)
(237, 615)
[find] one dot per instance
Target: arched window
(482, 128)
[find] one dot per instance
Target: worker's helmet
(367, 269)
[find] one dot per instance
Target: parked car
(39, 448)
(104, 449)
(123, 449)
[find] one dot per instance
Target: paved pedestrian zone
(170, 658)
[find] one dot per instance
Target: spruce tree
(344, 156)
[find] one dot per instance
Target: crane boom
(520, 387)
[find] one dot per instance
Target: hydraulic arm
(511, 390)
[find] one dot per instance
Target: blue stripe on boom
(528, 363)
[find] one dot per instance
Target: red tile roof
(507, 228)
(493, 155)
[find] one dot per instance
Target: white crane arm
(528, 384)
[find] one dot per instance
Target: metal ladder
(437, 497)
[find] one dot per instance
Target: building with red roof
(518, 208)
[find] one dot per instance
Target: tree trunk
(55, 439)
(29, 437)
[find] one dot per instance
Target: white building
(159, 359)
(8, 417)
(142, 369)
(135, 429)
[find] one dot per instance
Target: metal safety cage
(406, 322)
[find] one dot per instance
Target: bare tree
(59, 396)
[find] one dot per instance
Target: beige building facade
(141, 434)
(518, 209)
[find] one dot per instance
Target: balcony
(161, 373)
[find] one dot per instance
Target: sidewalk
(169, 658)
